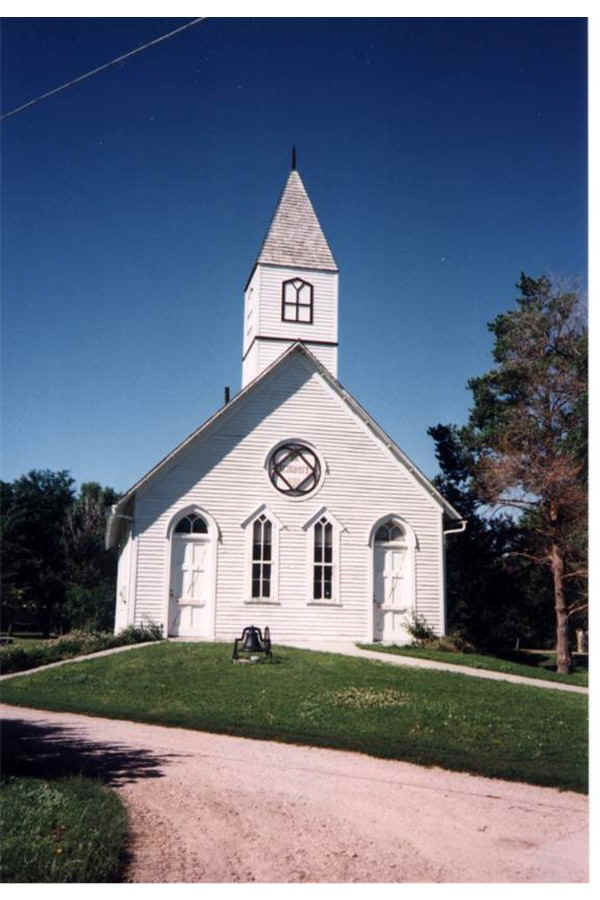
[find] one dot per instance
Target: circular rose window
(294, 469)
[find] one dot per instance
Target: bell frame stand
(251, 643)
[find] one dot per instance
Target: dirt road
(211, 808)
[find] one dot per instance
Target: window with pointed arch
(297, 301)
(262, 557)
(323, 558)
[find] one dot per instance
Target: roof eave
(391, 445)
(128, 495)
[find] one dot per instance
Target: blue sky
(443, 156)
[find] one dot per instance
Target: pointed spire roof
(295, 237)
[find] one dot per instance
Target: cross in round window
(294, 469)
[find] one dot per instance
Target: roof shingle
(295, 237)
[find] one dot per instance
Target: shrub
(420, 630)
(76, 643)
(451, 643)
(139, 634)
(425, 638)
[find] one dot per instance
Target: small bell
(252, 642)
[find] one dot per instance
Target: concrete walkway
(75, 659)
(347, 648)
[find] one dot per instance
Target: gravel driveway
(212, 808)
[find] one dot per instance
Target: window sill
(323, 603)
(258, 602)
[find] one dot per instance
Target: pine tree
(528, 433)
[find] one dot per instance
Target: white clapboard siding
(223, 472)
(325, 292)
(251, 310)
(266, 335)
(250, 366)
(267, 351)
(264, 352)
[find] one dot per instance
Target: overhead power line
(95, 71)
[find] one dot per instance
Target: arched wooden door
(392, 580)
(191, 593)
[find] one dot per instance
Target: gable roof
(295, 237)
(112, 525)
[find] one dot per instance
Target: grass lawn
(518, 662)
(427, 717)
(67, 830)
(30, 653)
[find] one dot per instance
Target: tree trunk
(563, 655)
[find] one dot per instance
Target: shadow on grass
(541, 660)
(54, 751)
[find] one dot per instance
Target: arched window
(297, 301)
(323, 560)
(261, 580)
(191, 524)
(261, 558)
(390, 531)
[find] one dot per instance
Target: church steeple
(292, 290)
(295, 237)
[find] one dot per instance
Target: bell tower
(292, 292)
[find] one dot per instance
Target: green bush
(450, 643)
(76, 643)
(425, 638)
(419, 630)
(139, 634)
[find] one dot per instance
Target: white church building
(290, 507)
